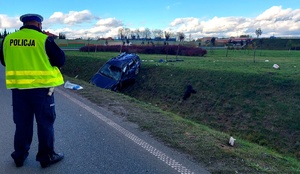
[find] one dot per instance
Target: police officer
(32, 61)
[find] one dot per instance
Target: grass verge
(169, 121)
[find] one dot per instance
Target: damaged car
(118, 72)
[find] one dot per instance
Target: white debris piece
(231, 141)
(73, 86)
(276, 66)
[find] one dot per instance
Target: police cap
(31, 17)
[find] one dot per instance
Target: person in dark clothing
(32, 61)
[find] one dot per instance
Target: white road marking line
(157, 153)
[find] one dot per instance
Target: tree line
(126, 33)
(4, 33)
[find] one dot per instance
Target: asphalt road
(93, 139)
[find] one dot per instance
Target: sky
(195, 18)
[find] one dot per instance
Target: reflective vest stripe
(30, 73)
(32, 81)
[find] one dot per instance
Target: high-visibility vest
(27, 63)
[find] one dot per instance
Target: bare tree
(167, 35)
(121, 33)
(126, 33)
(138, 33)
(132, 34)
(258, 32)
(157, 33)
(142, 34)
(147, 33)
(180, 36)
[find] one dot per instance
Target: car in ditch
(118, 73)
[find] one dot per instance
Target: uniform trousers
(27, 105)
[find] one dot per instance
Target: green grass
(237, 96)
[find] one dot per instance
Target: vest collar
(31, 27)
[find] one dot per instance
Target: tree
(132, 35)
(213, 41)
(142, 34)
(158, 33)
(258, 32)
(4, 34)
(120, 32)
(137, 33)
(180, 36)
(61, 36)
(167, 35)
(147, 33)
(245, 36)
(126, 33)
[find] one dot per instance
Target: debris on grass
(231, 141)
(73, 86)
(276, 66)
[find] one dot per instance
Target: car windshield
(111, 71)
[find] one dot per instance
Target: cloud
(109, 22)
(7, 22)
(275, 13)
(73, 17)
(275, 20)
(83, 24)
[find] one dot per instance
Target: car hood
(103, 81)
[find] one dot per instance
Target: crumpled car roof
(121, 60)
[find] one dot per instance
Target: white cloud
(109, 22)
(275, 13)
(7, 22)
(73, 17)
(275, 20)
